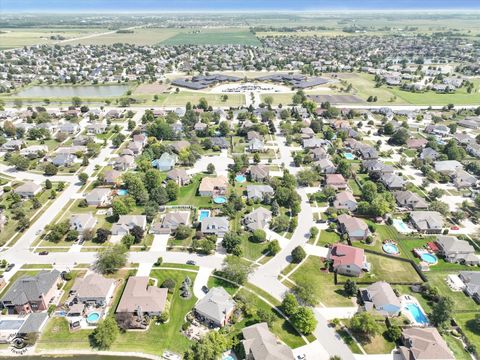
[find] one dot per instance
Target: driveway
(160, 242)
(312, 351)
(201, 280)
(316, 250)
(330, 313)
(144, 269)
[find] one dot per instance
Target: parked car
(455, 227)
(205, 289)
(9, 267)
(43, 253)
(191, 262)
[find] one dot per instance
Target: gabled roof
(92, 286)
(262, 344)
(381, 293)
(425, 344)
(138, 295)
(346, 255)
(216, 304)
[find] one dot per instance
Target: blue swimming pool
(401, 226)
(240, 178)
(429, 258)
(228, 357)
(349, 156)
(122, 192)
(219, 200)
(390, 249)
(417, 313)
(93, 317)
(203, 214)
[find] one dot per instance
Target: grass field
(228, 36)
(181, 98)
(148, 36)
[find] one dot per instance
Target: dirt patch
(336, 99)
(151, 89)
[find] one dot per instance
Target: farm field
(142, 36)
(230, 36)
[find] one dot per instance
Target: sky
(224, 5)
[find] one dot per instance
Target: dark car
(43, 253)
(191, 262)
(205, 289)
(9, 267)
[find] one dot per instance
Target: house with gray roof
(376, 166)
(457, 251)
(256, 145)
(411, 200)
(112, 177)
(345, 200)
(473, 149)
(260, 344)
(170, 222)
(424, 344)
(82, 222)
(326, 166)
(28, 189)
(127, 222)
(166, 162)
(217, 225)
(180, 176)
(258, 192)
(92, 289)
(392, 181)
(216, 307)
(368, 153)
(31, 293)
(430, 222)
(257, 219)
(319, 153)
(429, 154)
(355, 228)
(471, 279)
(448, 167)
(64, 159)
(99, 197)
(381, 298)
(259, 173)
(463, 179)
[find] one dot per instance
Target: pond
(77, 357)
(87, 91)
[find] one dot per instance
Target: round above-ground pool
(240, 178)
(93, 317)
(429, 258)
(219, 200)
(391, 249)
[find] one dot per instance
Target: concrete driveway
(160, 242)
(201, 280)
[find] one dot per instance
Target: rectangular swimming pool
(203, 214)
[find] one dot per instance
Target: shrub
(298, 254)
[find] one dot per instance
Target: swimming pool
(219, 200)
(390, 248)
(401, 226)
(240, 178)
(203, 214)
(429, 258)
(93, 317)
(417, 313)
(228, 357)
(122, 192)
(349, 156)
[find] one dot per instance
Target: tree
(439, 206)
(210, 347)
(344, 168)
(172, 190)
(441, 311)
(273, 247)
(128, 240)
(399, 137)
(298, 254)
(102, 235)
(120, 207)
(111, 258)
(235, 269)
(268, 100)
(137, 233)
(306, 292)
(259, 236)
(76, 101)
(182, 232)
(136, 188)
(350, 288)
(231, 242)
(118, 140)
(50, 169)
(304, 320)
(394, 333)
(105, 333)
(280, 223)
(364, 323)
(83, 177)
(210, 168)
(289, 304)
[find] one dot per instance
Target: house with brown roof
(139, 298)
(170, 222)
(355, 228)
(93, 289)
(416, 143)
(212, 186)
(259, 173)
(424, 344)
(180, 176)
(337, 181)
(345, 200)
(260, 344)
(347, 260)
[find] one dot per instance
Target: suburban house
(211, 186)
(92, 289)
(82, 222)
(166, 162)
(318, 153)
(64, 159)
(258, 192)
(124, 162)
(12, 145)
(259, 173)
(347, 260)
(416, 143)
(457, 251)
(376, 166)
(96, 128)
(462, 180)
(216, 307)
(69, 128)
(24, 326)
(355, 228)
(424, 343)
(471, 279)
(180, 145)
(180, 176)
(99, 197)
(448, 167)
(429, 154)
(170, 222)
(326, 166)
(257, 219)
(34, 150)
(430, 222)
(337, 181)
(381, 298)
(215, 225)
(368, 153)
(139, 298)
(260, 344)
(392, 181)
(28, 189)
(256, 145)
(31, 293)
(411, 200)
(345, 200)
(112, 177)
(127, 222)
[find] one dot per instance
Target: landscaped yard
(326, 291)
(187, 195)
(391, 270)
(469, 326)
(328, 237)
(377, 344)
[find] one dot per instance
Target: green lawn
(377, 344)
(469, 326)
(187, 195)
(390, 270)
(216, 282)
(252, 250)
(347, 339)
(326, 291)
(457, 347)
(231, 36)
(328, 237)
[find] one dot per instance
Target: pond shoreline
(79, 355)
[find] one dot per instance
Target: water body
(82, 91)
(76, 357)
